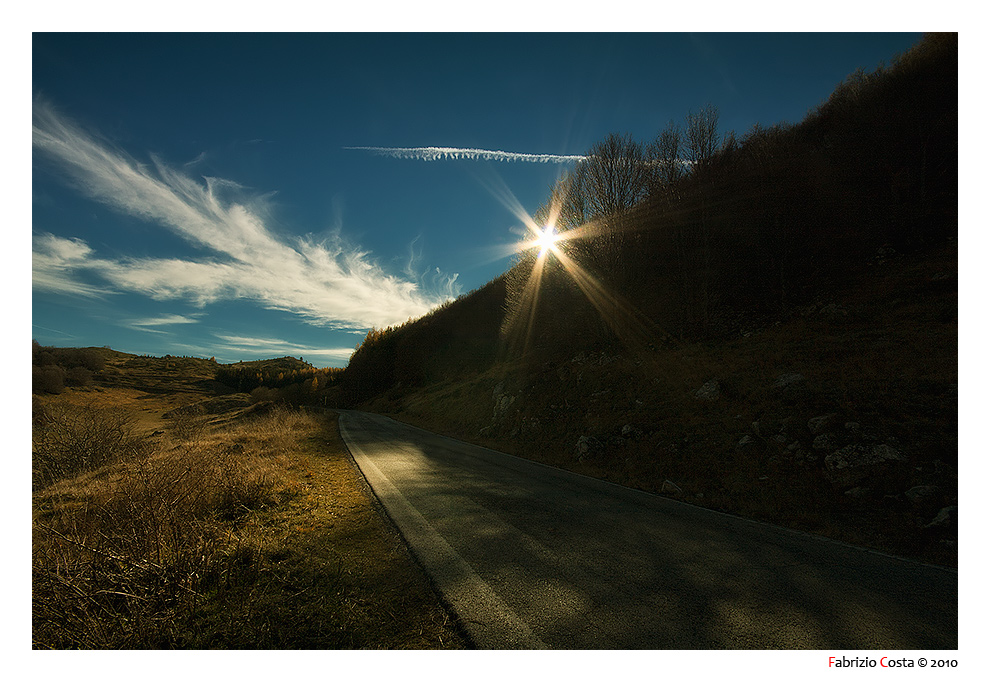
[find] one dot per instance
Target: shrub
(68, 440)
(79, 376)
(47, 379)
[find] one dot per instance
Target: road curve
(532, 557)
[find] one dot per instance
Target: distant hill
(769, 329)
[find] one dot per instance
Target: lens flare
(547, 238)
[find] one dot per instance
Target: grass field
(247, 528)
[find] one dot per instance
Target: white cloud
(328, 282)
(55, 262)
(161, 321)
(268, 347)
(447, 153)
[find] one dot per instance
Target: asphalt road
(533, 557)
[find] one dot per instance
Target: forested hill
(693, 236)
(763, 323)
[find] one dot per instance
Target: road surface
(533, 557)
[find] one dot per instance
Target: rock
(787, 424)
(710, 392)
(833, 312)
(502, 401)
(825, 441)
(923, 494)
(746, 440)
(791, 385)
(670, 488)
(857, 493)
(586, 445)
(818, 425)
(945, 519)
(630, 431)
(855, 463)
(791, 379)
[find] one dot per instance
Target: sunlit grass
(254, 534)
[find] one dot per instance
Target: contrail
(446, 153)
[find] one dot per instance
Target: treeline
(699, 230)
(284, 380)
(459, 336)
(52, 369)
(695, 234)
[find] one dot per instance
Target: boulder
(824, 441)
(746, 440)
(501, 402)
(585, 446)
(855, 463)
(630, 431)
(946, 519)
(670, 488)
(923, 494)
(710, 392)
(790, 379)
(791, 386)
(818, 425)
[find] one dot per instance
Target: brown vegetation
(246, 527)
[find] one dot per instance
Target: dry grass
(254, 534)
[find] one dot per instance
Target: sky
(247, 195)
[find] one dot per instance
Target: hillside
(170, 513)
(770, 331)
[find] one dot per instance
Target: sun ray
(522, 335)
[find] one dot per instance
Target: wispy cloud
(449, 153)
(268, 347)
(163, 320)
(150, 324)
(56, 263)
(327, 281)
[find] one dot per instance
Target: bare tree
(616, 176)
(666, 154)
(567, 206)
(702, 136)
(702, 146)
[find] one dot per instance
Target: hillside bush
(68, 440)
(47, 379)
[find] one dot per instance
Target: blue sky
(247, 196)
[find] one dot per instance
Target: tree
(666, 158)
(702, 145)
(702, 137)
(616, 176)
(567, 206)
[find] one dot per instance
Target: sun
(547, 238)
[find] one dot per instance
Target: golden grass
(255, 534)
